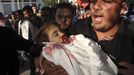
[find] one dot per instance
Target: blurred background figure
(4, 22)
(35, 10)
(47, 13)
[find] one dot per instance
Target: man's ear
(124, 8)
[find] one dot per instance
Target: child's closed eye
(56, 34)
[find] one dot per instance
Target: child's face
(55, 35)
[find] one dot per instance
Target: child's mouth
(65, 39)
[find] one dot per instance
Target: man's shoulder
(130, 26)
(85, 21)
(34, 17)
(81, 27)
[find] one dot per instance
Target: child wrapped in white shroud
(82, 56)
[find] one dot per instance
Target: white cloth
(81, 57)
(23, 28)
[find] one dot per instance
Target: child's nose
(61, 34)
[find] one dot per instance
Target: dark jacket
(10, 42)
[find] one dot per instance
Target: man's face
(55, 35)
(64, 17)
(34, 9)
(105, 13)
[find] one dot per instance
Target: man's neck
(107, 35)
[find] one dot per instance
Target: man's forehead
(116, 1)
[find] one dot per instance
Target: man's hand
(84, 15)
(128, 68)
(45, 67)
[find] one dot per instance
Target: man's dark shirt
(120, 48)
(10, 42)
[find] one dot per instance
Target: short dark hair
(27, 8)
(34, 5)
(66, 5)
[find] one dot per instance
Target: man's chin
(100, 29)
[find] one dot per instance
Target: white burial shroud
(82, 56)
